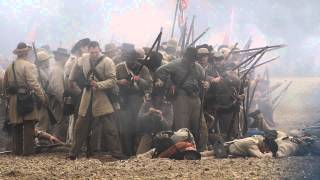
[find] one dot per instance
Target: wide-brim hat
(22, 48)
(191, 153)
(61, 51)
(172, 43)
(203, 51)
(141, 55)
(111, 47)
(43, 56)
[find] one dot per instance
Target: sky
(269, 22)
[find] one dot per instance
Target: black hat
(61, 51)
(191, 54)
(22, 48)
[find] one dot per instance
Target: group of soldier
(128, 100)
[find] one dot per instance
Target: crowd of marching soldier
(160, 101)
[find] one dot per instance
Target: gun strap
(14, 74)
(93, 68)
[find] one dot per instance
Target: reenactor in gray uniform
(133, 87)
(56, 89)
(187, 78)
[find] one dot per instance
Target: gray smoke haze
(292, 22)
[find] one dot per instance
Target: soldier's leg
(17, 139)
(198, 125)
(81, 133)
(111, 134)
(129, 120)
(96, 133)
(61, 128)
(145, 144)
(181, 113)
(43, 124)
(124, 135)
(104, 145)
(28, 138)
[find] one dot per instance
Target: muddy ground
(299, 108)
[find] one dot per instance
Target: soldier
(155, 115)
(55, 90)
(43, 64)
(73, 64)
(133, 87)
(225, 102)
(73, 89)
(95, 112)
(111, 51)
(255, 146)
(170, 50)
(188, 78)
(21, 82)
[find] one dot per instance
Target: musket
(201, 108)
(191, 29)
(268, 48)
(253, 93)
(5, 152)
(156, 42)
(233, 49)
(90, 114)
(312, 127)
(273, 59)
(251, 68)
(50, 114)
(199, 37)
(276, 101)
(245, 61)
(245, 47)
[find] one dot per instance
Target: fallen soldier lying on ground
(255, 146)
(298, 144)
(179, 145)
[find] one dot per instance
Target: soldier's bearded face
(95, 53)
(204, 60)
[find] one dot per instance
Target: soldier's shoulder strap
(93, 68)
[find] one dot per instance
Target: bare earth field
(298, 109)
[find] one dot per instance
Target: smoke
(138, 21)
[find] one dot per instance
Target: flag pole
(174, 20)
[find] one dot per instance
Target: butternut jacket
(27, 76)
(248, 147)
(107, 72)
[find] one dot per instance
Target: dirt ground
(298, 109)
(54, 166)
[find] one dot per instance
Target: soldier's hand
(216, 79)
(205, 84)
(123, 82)
(93, 83)
(156, 111)
(54, 140)
(45, 101)
(159, 83)
(242, 97)
(136, 78)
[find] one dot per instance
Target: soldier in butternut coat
(55, 89)
(43, 64)
(96, 110)
(27, 78)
